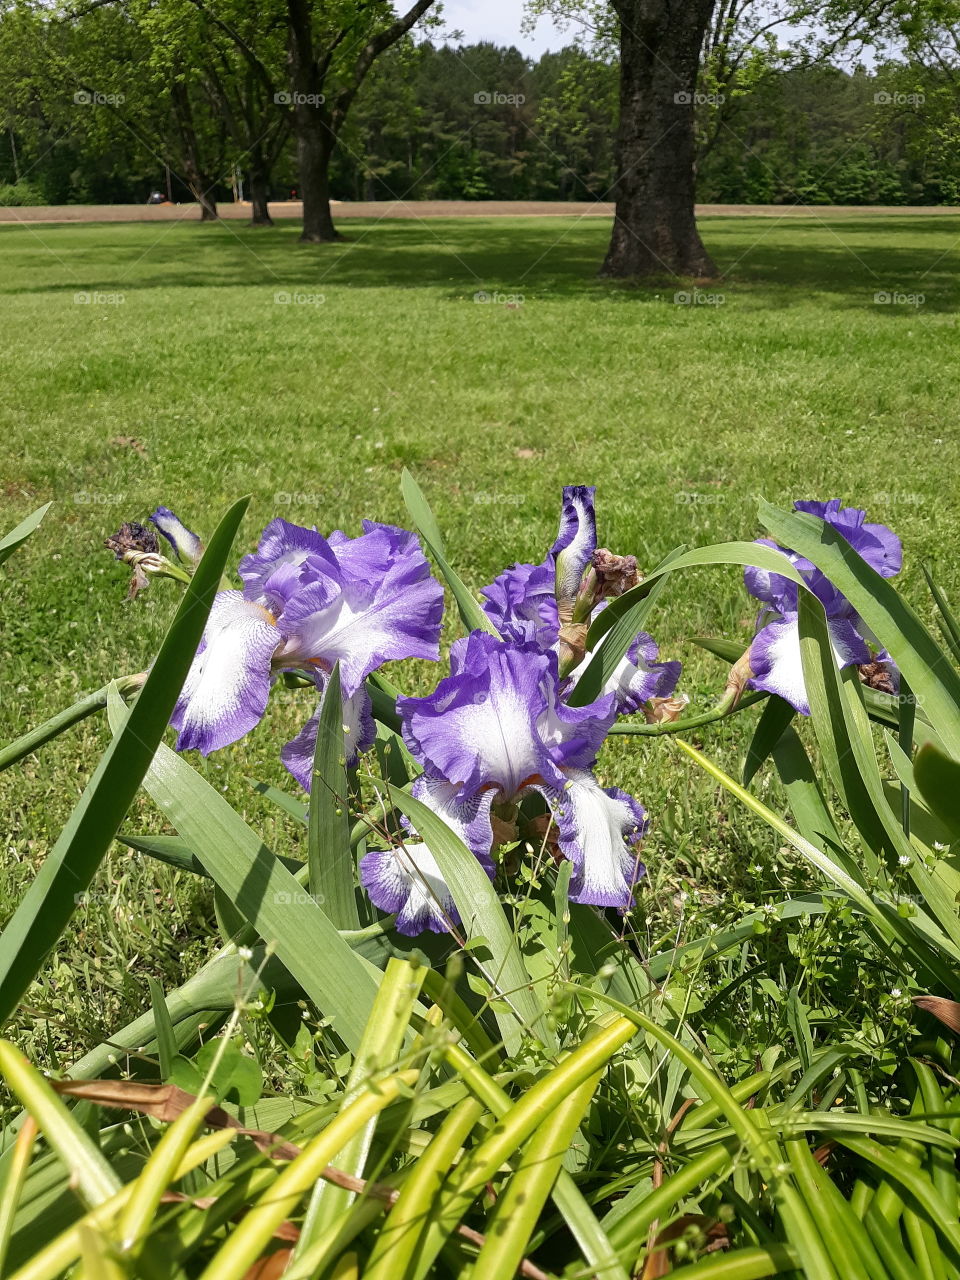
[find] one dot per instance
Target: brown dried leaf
(947, 1011)
(165, 1102)
(271, 1267)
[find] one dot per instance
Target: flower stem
(719, 712)
(63, 720)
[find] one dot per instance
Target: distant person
(156, 197)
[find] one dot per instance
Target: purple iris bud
(775, 650)
(307, 603)
(495, 730)
(576, 541)
(186, 545)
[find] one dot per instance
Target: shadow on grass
(763, 262)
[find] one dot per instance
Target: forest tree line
(100, 122)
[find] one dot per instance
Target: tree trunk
(259, 198)
(314, 149)
(655, 230)
(196, 179)
(208, 207)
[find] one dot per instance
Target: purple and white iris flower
(494, 731)
(551, 605)
(308, 602)
(774, 655)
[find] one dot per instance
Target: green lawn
(785, 379)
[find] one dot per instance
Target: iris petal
(388, 606)
(775, 657)
(407, 881)
(599, 830)
(225, 692)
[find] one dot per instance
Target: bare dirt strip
(439, 209)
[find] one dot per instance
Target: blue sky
(500, 20)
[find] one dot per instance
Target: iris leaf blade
(474, 618)
(329, 855)
(483, 916)
(72, 862)
(18, 535)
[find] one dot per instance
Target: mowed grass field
(188, 364)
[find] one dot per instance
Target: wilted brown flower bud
(875, 675)
(665, 710)
(132, 537)
(615, 574)
(573, 645)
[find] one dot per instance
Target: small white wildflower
(905, 860)
(245, 953)
(896, 993)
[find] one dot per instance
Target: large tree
(655, 228)
(330, 51)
